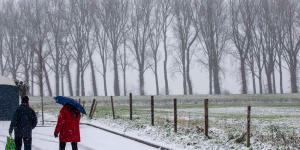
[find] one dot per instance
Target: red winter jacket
(68, 125)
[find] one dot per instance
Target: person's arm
(34, 119)
(60, 122)
(13, 122)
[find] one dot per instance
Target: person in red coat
(67, 127)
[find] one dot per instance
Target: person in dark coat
(23, 122)
(67, 127)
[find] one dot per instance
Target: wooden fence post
(130, 105)
(248, 125)
(79, 101)
(92, 107)
(112, 107)
(152, 110)
(83, 104)
(175, 115)
(206, 117)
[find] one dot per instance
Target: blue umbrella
(66, 100)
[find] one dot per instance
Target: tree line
(44, 38)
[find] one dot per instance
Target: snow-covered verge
(189, 139)
(270, 130)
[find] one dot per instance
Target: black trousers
(27, 143)
(62, 145)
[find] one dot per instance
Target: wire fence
(272, 118)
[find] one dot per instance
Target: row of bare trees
(45, 39)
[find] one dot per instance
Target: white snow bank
(6, 81)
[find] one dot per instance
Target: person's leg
(62, 145)
(18, 142)
(74, 146)
(27, 143)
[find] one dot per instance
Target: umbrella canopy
(66, 100)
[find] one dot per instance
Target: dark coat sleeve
(34, 119)
(13, 123)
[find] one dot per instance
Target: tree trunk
(274, 83)
(78, 79)
(156, 76)
(26, 69)
(69, 78)
(94, 83)
(293, 75)
(124, 70)
(82, 83)
(243, 76)
(57, 68)
(269, 81)
(190, 86)
(165, 65)
(141, 80)
(280, 75)
(124, 82)
(260, 81)
(210, 76)
(105, 84)
(32, 74)
(56, 80)
(47, 80)
(40, 78)
(217, 88)
(62, 85)
(14, 74)
(253, 79)
(184, 75)
(40, 72)
(116, 72)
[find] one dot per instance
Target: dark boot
(18, 142)
(74, 146)
(27, 143)
(62, 145)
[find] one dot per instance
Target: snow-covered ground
(91, 139)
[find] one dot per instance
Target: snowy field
(91, 139)
(275, 122)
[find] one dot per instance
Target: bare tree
(27, 52)
(253, 59)
(78, 19)
(167, 17)
(114, 19)
(281, 35)
(90, 43)
(56, 14)
(155, 38)
(124, 62)
(257, 53)
(268, 39)
(35, 13)
(102, 43)
(13, 38)
(3, 61)
(68, 72)
(242, 22)
(211, 21)
(139, 35)
(46, 74)
(291, 44)
(186, 36)
(104, 54)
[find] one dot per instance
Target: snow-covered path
(91, 139)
